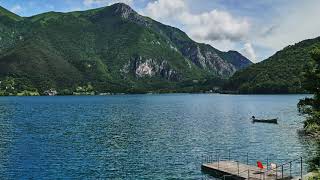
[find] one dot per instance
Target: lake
(141, 136)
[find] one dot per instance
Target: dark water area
(142, 136)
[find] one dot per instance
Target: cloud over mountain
(249, 52)
(214, 25)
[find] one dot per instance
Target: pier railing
(282, 168)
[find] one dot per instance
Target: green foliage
(7, 14)
(281, 73)
(64, 51)
(314, 159)
(311, 106)
(27, 93)
(65, 92)
(315, 177)
(82, 90)
(7, 86)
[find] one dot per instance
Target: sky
(255, 28)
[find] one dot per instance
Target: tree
(311, 106)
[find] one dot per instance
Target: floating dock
(237, 171)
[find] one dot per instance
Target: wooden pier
(235, 170)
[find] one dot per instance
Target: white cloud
(94, 2)
(218, 28)
(90, 3)
(16, 8)
(163, 10)
(248, 51)
(215, 25)
(292, 23)
(222, 45)
(282, 23)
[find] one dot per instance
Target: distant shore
(143, 93)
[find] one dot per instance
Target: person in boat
(253, 118)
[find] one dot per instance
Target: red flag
(260, 165)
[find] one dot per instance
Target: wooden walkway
(235, 170)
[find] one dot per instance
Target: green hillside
(111, 49)
(281, 73)
(5, 14)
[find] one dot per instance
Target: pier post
(301, 173)
(248, 173)
(247, 158)
(238, 168)
(276, 172)
(229, 155)
(218, 161)
(267, 163)
(290, 169)
(282, 172)
(202, 160)
(217, 154)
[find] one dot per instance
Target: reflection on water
(140, 136)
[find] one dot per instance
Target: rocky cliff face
(209, 60)
(222, 64)
(125, 12)
(142, 68)
(236, 59)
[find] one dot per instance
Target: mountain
(109, 49)
(281, 73)
(5, 14)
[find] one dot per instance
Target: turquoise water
(141, 136)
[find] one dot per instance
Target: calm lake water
(141, 136)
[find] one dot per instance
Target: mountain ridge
(6, 13)
(280, 73)
(111, 49)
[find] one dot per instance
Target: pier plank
(235, 170)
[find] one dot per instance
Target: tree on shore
(311, 106)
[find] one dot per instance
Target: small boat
(272, 121)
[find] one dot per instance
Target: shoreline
(155, 93)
